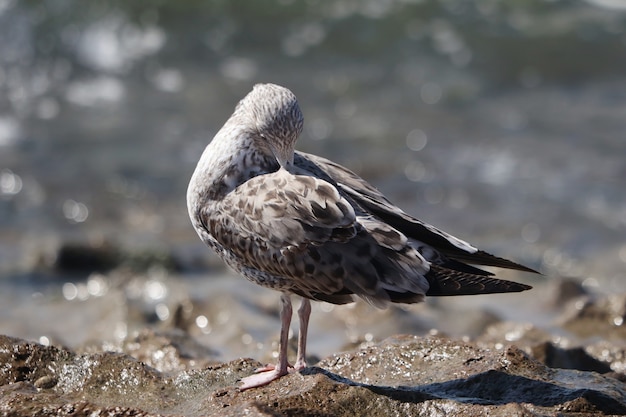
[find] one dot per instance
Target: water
(501, 123)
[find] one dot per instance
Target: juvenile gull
(301, 224)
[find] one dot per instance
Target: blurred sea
(503, 123)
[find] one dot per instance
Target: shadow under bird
(303, 225)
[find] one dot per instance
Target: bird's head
(276, 120)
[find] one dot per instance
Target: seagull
(306, 226)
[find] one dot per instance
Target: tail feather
(444, 281)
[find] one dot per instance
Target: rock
(524, 335)
(611, 353)
(165, 350)
(83, 258)
(555, 351)
(563, 289)
(403, 375)
(604, 317)
(568, 358)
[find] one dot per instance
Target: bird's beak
(285, 160)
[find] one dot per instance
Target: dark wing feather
(445, 281)
(487, 259)
(372, 201)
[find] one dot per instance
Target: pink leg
(267, 375)
(303, 312)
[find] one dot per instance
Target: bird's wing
(446, 281)
(284, 210)
(299, 230)
(373, 201)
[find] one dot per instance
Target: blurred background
(501, 122)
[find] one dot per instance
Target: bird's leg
(303, 313)
(269, 374)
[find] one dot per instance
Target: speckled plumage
(301, 224)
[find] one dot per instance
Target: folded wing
(449, 256)
(298, 233)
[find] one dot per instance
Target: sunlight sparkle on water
(416, 140)
(162, 311)
(74, 211)
(10, 183)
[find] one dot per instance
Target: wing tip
(448, 282)
(485, 258)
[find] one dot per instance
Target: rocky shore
(167, 373)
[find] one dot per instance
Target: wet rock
(605, 317)
(553, 351)
(472, 375)
(563, 290)
(82, 258)
(85, 257)
(568, 358)
(165, 351)
(46, 381)
(613, 354)
(524, 335)
(403, 375)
